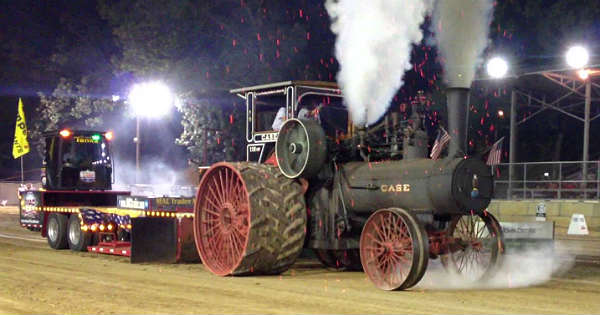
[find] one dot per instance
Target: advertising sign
(30, 200)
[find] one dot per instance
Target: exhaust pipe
(457, 102)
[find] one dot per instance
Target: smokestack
(457, 102)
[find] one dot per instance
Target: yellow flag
(20, 146)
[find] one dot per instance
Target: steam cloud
(373, 46)
(519, 269)
(158, 180)
(461, 32)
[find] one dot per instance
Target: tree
(210, 138)
(70, 105)
(202, 50)
(80, 62)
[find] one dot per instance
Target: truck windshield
(83, 152)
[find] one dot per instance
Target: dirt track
(35, 279)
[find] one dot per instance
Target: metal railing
(548, 180)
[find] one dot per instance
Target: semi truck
(76, 208)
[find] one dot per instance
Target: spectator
(279, 119)
(305, 113)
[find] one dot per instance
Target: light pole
(151, 100)
(577, 58)
(137, 147)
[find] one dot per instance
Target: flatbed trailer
(113, 222)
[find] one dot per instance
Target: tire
(341, 260)
(423, 240)
(393, 249)
(248, 219)
(56, 231)
(78, 240)
(485, 244)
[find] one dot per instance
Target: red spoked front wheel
(393, 249)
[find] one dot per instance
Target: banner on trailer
(30, 200)
(172, 203)
(156, 203)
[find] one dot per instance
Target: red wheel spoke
(226, 184)
(374, 239)
(211, 229)
(222, 186)
(214, 191)
(212, 202)
(215, 213)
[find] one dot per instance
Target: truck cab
(77, 160)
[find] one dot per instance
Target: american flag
(442, 138)
(495, 153)
(91, 216)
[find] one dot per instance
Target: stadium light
(497, 67)
(151, 100)
(577, 57)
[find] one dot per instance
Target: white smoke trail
(373, 46)
(155, 177)
(461, 32)
(520, 268)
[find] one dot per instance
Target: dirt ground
(36, 279)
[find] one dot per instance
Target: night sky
(42, 41)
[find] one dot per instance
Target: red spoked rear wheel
(223, 219)
(248, 219)
(393, 249)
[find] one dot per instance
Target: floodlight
(150, 99)
(497, 67)
(577, 57)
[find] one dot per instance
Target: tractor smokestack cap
(457, 102)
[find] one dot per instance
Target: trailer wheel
(248, 219)
(394, 249)
(476, 247)
(348, 259)
(56, 230)
(78, 240)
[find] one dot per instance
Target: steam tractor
(361, 197)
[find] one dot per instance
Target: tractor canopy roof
(284, 84)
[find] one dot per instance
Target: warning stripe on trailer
(133, 213)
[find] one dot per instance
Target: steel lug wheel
(476, 247)
(393, 249)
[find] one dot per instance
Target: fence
(548, 180)
(8, 191)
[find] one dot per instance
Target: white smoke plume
(461, 32)
(520, 268)
(156, 179)
(373, 46)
